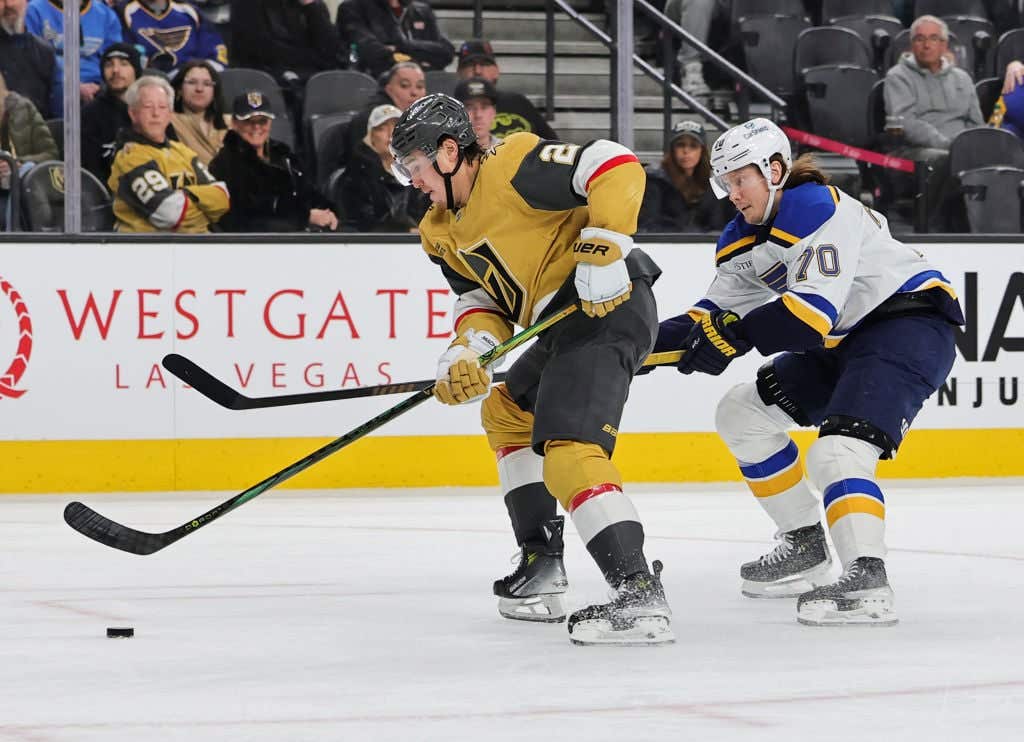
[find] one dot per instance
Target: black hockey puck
(114, 632)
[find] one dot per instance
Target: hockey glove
(713, 343)
(602, 280)
(460, 377)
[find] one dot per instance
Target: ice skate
(639, 615)
(535, 591)
(862, 596)
(799, 563)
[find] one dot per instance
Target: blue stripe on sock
(773, 464)
(852, 486)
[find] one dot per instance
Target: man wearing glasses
(931, 100)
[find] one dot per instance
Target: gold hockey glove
(460, 377)
(602, 279)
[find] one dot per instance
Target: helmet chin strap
(448, 193)
(772, 190)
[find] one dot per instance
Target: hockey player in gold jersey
(160, 185)
(519, 231)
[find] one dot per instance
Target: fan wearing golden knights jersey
(865, 326)
(520, 231)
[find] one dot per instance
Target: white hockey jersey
(827, 260)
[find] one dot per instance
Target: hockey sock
(589, 486)
(767, 457)
(843, 468)
(528, 501)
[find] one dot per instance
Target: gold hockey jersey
(164, 188)
(509, 248)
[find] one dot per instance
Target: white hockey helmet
(752, 143)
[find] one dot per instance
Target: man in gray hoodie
(933, 99)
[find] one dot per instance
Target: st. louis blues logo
(10, 378)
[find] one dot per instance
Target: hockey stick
(89, 523)
(216, 390)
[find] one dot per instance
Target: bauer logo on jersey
(15, 340)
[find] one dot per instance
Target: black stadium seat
(992, 197)
(768, 42)
(1009, 48)
(833, 10)
(836, 98)
(42, 200)
(983, 146)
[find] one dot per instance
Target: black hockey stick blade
(216, 390)
(99, 528)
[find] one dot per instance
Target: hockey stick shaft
(217, 391)
(99, 528)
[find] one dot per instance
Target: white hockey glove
(460, 377)
(602, 280)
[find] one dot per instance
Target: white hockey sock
(843, 469)
(767, 457)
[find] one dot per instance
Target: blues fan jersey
(815, 271)
(179, 33)
(99, 29)
(509, 249)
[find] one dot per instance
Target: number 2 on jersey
(828, 261)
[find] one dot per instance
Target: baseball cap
(475, 87)
(252, 103)
(687, 128)
(121, 50)
(382, 113)
(476, 50)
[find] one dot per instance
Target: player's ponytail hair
(805, 170)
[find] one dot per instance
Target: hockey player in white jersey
(864, 325)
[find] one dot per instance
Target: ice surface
(368, 616)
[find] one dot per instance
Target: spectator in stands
(107, 115)
(24, 135)
(934, 100)
(480, 99)
(678, 196)
(269, 190)
(198, 120)
(172, 33)
(99, 29)
(694, 16)
(159, 185)
(399, 87)
(371, 199)
(389, 31)
(515, 112)
(290, 39)
(27, 62)
(1008, 112)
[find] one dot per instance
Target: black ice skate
(535, 591)
(639, 615)
(799, 563)
(862, 596)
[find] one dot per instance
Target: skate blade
(869, 613)
(791, 587)
(645, 632)
(539, 608)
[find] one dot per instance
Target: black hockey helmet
(427, 121)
